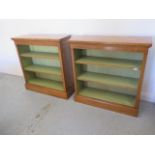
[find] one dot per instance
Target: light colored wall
(8, 28)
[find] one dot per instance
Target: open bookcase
(44, 61)
(108, 71)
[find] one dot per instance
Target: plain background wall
(8, 28)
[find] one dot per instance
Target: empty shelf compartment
(41, 55)
(120, 63)
(110, 80)
(43, 69)
(47, 83)
(108, 96)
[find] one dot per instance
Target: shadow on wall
(149, 85)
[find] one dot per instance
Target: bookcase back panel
(33, 51)
(23, 48)
(108, 75)
(47, 83)
(120, 63)
(112, 71)
(46, 62)
(111, 88)
(39, 55)
(108, 86)
(26, 62)
(41, 65)
(115, 54)
(49, 77)
(109, 54)
(109, 96)
(96, 91)
(37, 48)
(48, 49)
(45, 80)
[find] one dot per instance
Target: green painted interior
(109, 80)
(49, 76)
(41, 55)
(108, 96)
(80, 85)
(48, 49)
(41, 65)
(79, 53)
(115, 54)
(29, 75)
(108, 75)
(109, 87)
(47, 83)
(23, 48)
(115, 63)
(126, 64)
(46, 62)
(111, 71)
(25, 61)
(43, 69)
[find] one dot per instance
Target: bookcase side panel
(67, 65)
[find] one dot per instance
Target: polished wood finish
(59, 41)
(48, 91)
(107, 105)
(67, 65)
(112, 40)
(40, 39)
(110, 43)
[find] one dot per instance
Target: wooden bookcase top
(42, 37)
(112, 40)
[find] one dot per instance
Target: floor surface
(27, 112)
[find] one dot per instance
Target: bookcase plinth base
(47, 91)
(106, 105)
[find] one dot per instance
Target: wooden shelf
(110, 80)
(47, 83)
(43, 69)
(40, 55)
(108, 96)
(108, 62)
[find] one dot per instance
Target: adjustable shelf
(43, 69)
(41, 55)
(109, 80)
(45, 65)
(108, 71)
(47, 83)
(128, 64)
(108, 96)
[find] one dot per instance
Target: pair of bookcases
(107, 71)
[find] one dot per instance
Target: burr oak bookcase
(46, 65)
(108, 71)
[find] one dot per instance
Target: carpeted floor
(26, 112)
